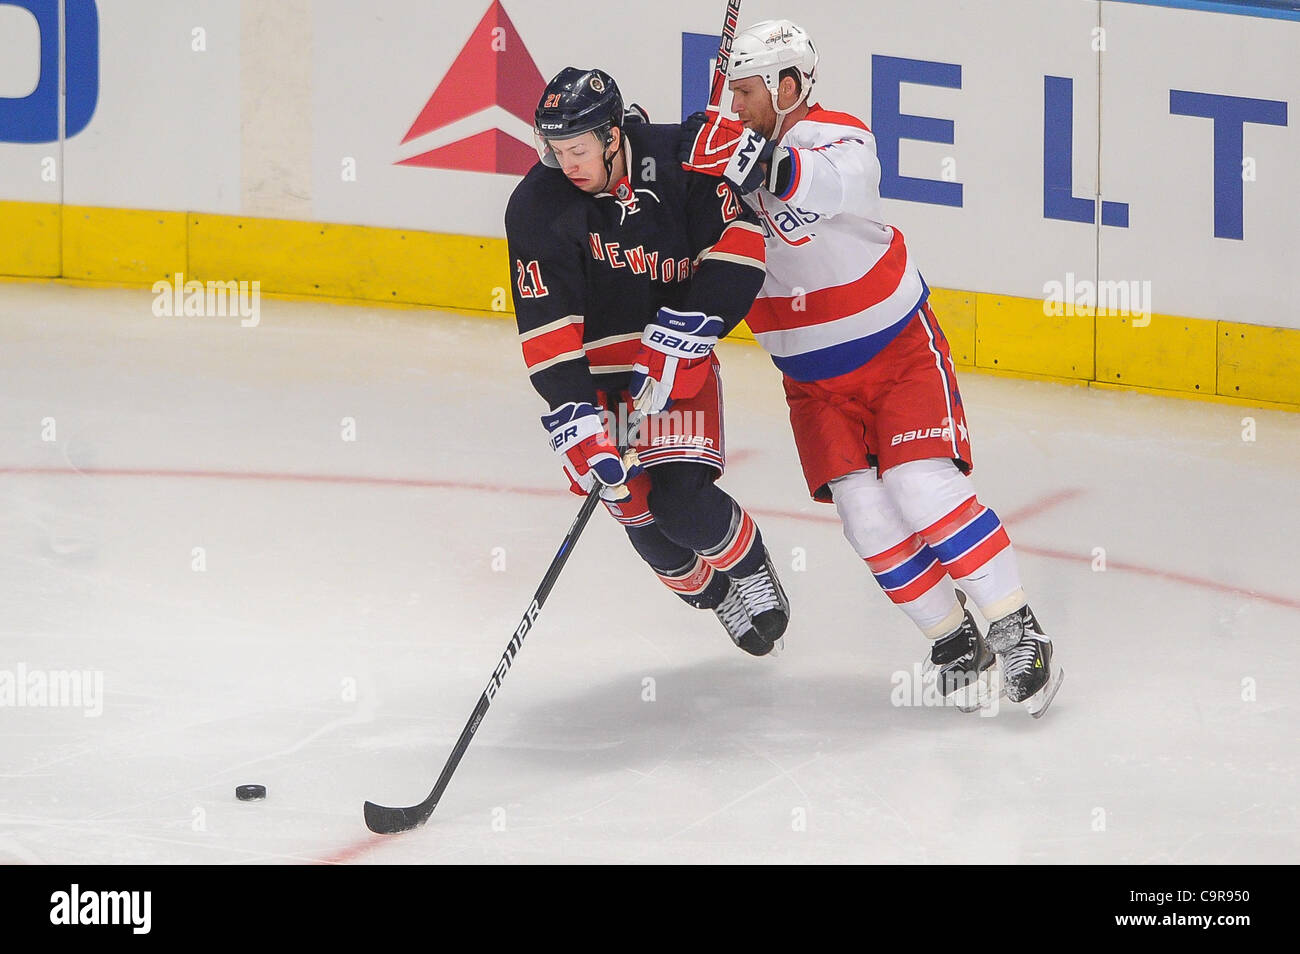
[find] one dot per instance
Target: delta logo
(483, 107)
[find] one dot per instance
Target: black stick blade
(389, 821)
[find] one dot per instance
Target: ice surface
(349, 614)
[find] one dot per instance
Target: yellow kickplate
(352, 261)
(122, 245)
(1259, 362)
(29, 239)
(1014, 334)
(1157, 351)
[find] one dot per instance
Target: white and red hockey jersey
(840, 283)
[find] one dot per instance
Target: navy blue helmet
(577, 101)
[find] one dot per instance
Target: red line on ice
(352, 479)
(1041, 505)
(1023, 513)
(1173, 577)
(353, 851)
(344, 855)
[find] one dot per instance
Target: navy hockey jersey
(591, 271)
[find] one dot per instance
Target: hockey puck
(249, 793)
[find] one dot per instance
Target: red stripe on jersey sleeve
(620, 352)
(741, 241)
(818, 115)
(566, 338)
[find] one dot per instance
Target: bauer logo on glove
(673, 361)
(578, 436)
(677, 343)
(567, 435)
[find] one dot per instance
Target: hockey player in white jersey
(874, 403)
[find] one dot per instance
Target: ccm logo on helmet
(680, 344)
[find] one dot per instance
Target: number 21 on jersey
(529, 280)
(730, 208)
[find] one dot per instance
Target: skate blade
(980, 694)
(1037, 703)
(772, 649)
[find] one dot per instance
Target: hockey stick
(387, 821)
(729, 24)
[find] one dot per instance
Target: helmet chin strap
(609, 161)
(782, 113)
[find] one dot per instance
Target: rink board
(999, 333)
(322, 149)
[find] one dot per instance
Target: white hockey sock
(939, 502)
(902, 564)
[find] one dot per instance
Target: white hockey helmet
(768, 47)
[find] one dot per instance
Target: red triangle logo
(493, 68)
(489, 151)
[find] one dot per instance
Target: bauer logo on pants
(919, 435)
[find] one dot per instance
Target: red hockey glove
(674, 358)
(578, 436)
(717, 146)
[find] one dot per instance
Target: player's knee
(865, 512)
(676, 493)
(924, 491)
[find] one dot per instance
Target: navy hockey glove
(674, 359)
(578, 436)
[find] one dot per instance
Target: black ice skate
(1025, 653)
(734, 616)
(960, 663)
(765, 602)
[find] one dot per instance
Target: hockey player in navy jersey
(627, 271)
(874, 404)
